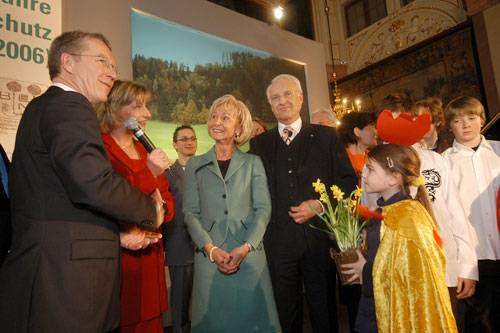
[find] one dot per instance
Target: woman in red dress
(143, 295)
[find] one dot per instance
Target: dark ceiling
(297, 16)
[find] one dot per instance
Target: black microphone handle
(143, 138)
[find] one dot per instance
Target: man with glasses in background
(177, 243)
(63, 271)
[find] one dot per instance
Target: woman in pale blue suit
(227, 207)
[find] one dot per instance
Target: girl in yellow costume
(409, 285)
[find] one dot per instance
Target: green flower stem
(343, 221)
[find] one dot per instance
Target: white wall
(112, 18)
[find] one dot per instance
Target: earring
(237, 135)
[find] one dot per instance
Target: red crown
(402, 130)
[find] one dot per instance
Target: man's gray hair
(291, 78)
(69, 42)
(328, 112)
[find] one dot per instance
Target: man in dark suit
(295, 155)
(63, 271)
(5, 230)
(178, 246)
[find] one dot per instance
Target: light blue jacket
(229, 211)
(226, 211)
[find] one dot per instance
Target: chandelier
(341, 106)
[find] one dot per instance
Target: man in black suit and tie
(63, 271)
(178, 246)
(5, 231)
(296, 154)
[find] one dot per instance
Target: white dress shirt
(477, 175)
(63, 86)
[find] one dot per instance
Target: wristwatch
(249, 246)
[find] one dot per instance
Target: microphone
(132, 124)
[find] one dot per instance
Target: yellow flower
(337, 193)
(342, 220)
(318, 186)
(357, 192)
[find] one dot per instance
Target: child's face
(467, 129)
(376, 179)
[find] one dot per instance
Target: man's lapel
(306, 142)
(178, 173)
(275, 136)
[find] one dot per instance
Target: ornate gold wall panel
(401, 29)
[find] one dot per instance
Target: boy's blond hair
(461, 106)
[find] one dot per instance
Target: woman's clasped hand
(229, 263)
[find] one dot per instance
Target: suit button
(225, 212)
(289, 171)
(291, 185)
(224, 196)
(289, 159)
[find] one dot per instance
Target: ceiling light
(278, 12)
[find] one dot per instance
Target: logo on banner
(14, 97)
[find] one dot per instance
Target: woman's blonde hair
(243, 116)
(123, 93)
(405, 161)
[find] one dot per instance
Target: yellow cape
(409, 282)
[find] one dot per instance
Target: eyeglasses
(185, 139)
(105, 62)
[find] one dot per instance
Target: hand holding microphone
(157, 162)
(157, 159)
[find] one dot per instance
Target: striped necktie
(287, 134)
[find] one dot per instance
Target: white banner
(27, 28)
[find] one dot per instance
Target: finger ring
(164, 159)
